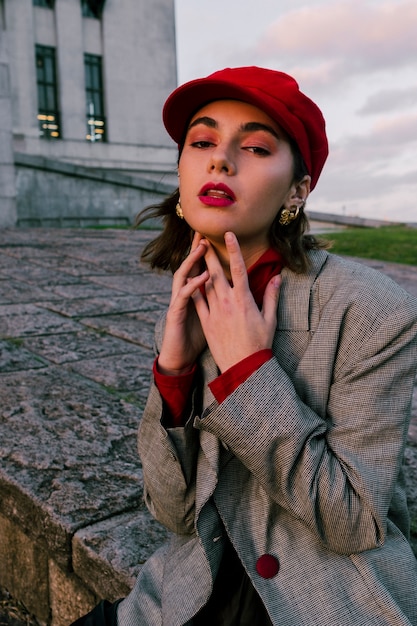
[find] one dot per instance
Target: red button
(267, 566)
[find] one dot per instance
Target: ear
(298, 194)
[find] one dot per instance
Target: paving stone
(10, 264)
(128, 374)
(135, 327)
(29, 252)
(13, 358)
(56, 259)
(13, 291)
(83, 344)
(35, 274)
(140, 284)
(70, 264)
(110, 260)
(27, 319)
(82, 290)
(104, 306)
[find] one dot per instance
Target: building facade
(82, 84)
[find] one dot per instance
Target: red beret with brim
(275, 93)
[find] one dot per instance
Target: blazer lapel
(209, 455)
(295, 295)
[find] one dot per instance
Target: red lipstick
(216, 194)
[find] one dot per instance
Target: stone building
(82, 83)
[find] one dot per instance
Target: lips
(216, 194)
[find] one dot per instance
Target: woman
(273, 436)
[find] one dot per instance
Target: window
(96, 121)
(49, 4)
(48, 113)
(2, 16)
(92, 8)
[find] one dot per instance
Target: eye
(257, 150)
(201, 144)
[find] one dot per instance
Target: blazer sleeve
(169, 458)
(335, 471)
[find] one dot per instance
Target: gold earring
(289, 215)
(178, 210)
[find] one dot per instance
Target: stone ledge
(98, 174)
(111, 553)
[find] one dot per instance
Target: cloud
(355, 191)
(388, 148)
(398, 133)
(389, 100)
(345, 38)
(372, 174)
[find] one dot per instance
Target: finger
(191, 265)
(216, 271)
(193, 284)
(196, 240)
(270, 301)
(181, 297)
(238, 269)
(199, 297)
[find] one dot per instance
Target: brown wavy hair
(170, 248)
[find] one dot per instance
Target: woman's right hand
(183, 337)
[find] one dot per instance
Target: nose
(221, 161)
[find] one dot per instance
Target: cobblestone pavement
(77, 311)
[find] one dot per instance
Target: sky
(357, 59)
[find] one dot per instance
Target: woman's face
(235, 173)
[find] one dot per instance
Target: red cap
(275, 93)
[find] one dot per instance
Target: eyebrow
(244, 128)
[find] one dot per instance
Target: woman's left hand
(231, 321)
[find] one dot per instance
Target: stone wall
(52, 193)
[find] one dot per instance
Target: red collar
(260, 273)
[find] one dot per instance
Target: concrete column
(8, 215)
(22, 69)
(70, 66)
(139, 68)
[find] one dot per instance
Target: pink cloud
(354, 34)
(388, 142)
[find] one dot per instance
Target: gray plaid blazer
(302, 462)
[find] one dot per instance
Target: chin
(215, 237)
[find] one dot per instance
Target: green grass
(395, 244)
